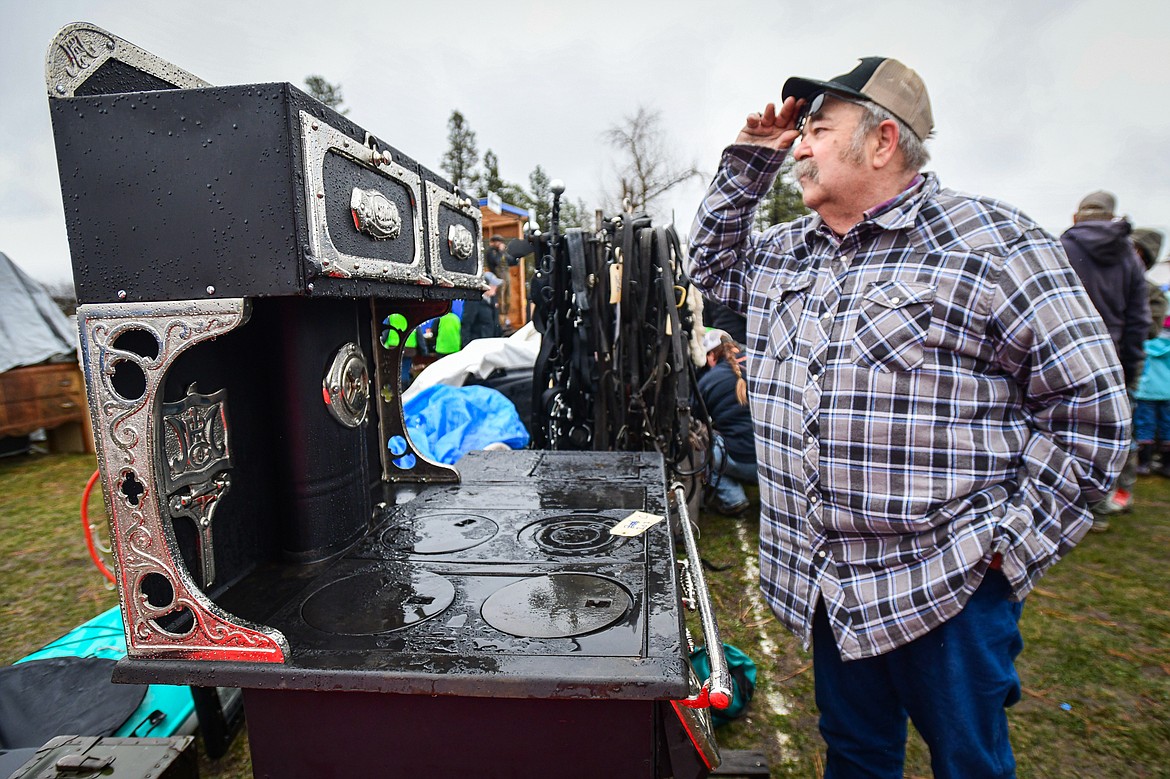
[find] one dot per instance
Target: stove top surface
(507, 584)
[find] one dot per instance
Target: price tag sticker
(635, 525)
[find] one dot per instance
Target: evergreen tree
(462, 155)
(538, 188)
(572, 214)
(575, 214)
(323, 91)
(491, 181)
(783, 203)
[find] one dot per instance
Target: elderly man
(936, 404)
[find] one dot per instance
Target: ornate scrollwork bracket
(127, 349)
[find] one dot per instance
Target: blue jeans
(954, 683)
(1151, 421)
(727, 475)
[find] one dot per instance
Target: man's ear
(886, 138)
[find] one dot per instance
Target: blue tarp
(446, 422)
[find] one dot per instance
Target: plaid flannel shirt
(929, 390)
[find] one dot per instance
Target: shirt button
(821, 554)
(812, 498)
(810, 440)
(895, 301)
(827, 315)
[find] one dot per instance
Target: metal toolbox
(122, 758)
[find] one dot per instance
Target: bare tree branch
(645, 170)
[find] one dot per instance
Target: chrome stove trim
(717, 689)
(318, 139)
(80, 48)
(388, 396)
(346, 386)
(197, 458)
(129, 441)
(436, 197)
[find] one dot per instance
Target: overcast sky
(1036, 103)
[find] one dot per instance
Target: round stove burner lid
(558, 605)
(440, 533)
(377, 602)
(576, 534)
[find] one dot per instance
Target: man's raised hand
(776, 130)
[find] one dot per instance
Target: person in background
(392, 336)
(481, 317)
(1099, 249)
(497, 261)
(1151, 416)
(720, 317)
(1148, 243)
(448, 333)
(936, 404)
(496, 256)
(724, 393)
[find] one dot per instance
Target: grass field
(1095, 667)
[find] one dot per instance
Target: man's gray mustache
(806, 169)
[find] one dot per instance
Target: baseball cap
(881, 80)
(492, 279)
(713, 337)
(497, 237)
(1096, 205)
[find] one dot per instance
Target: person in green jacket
(392, 336)
(448, 337)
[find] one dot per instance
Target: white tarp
(480, 358)
(32, 327)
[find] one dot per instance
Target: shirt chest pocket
(892, 325)
(786, 301)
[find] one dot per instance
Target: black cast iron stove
(238, 252)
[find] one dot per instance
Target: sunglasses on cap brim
(814, 104)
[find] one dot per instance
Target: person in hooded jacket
(1151, 415)
(1100, 251)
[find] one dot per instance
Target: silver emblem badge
(374, 214)
(460, 241)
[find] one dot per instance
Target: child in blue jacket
(1151, 416)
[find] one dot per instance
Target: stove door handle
(717, 689)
